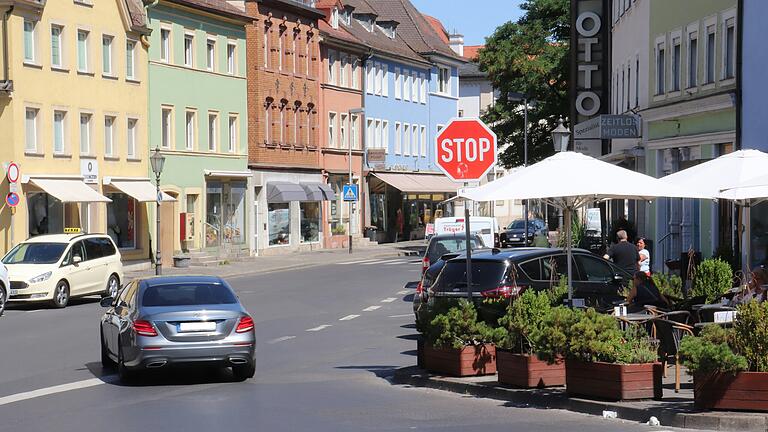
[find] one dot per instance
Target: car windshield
(485, 275)
(35, 253)
(188, 294)
(518, 224)
(440, 247)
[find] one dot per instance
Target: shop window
(279, 215)
(234, 218)
(46, 214)
(310, 222)
(213, 214)
(121, 220)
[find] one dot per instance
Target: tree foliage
(529, 56)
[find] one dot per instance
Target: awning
(419, 183)
(69, 190)
(140, 190)
(318, 192)
(330, 195)
(282, 192)
(230, 174)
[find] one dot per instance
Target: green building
(198, 119)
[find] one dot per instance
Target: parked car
(504, 274)
(5, 286)
(485, 227)
(162, 321)
(513, 234)
(442, 244)
(56, 267)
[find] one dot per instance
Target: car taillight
(144, 328)
(419, 288)
(245, 324)
(505, 291)
(424, 265)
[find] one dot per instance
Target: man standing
(623, 253)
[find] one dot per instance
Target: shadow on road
(408, 326)
(166, 376)
(412, 336)
(380, 371)
(73, 302)
(413, 353)
(408, 298)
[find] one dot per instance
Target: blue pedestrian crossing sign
(350, 192)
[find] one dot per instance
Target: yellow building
(73, 116)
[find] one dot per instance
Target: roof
(471, 70)
(165, 280)
(296, 6)
(438, 27)
(137, 15)
(213, 6)
(327, 4)
(59, 238)
(339, 33)
(471, 51)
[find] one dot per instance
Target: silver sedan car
(161, 321)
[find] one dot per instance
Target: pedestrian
(644, 293)
(400, 225)
(645, 256)
(624, 254)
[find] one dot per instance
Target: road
(328, 339)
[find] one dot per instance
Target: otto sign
(465, 149)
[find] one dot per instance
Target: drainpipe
(364, 158)
(6, 67)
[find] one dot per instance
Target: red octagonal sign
(466, 149)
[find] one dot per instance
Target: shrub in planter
(457, 344)
(712, 279)
(669, 285)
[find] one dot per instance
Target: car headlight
(40, 278)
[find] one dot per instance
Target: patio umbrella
(569, 180)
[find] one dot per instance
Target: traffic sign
(349, 192)
(13, 172)
(465, 149)
(12, 199)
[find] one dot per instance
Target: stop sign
(466, 149)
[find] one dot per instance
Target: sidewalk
(675, 409)
(299, 260)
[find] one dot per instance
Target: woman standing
(645, 257)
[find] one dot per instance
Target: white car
(56, 267)
(5, 286)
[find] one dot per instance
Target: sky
(475, 19)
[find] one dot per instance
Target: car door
(94, 262)
(597, 278)
(76, 273)
(118, 315)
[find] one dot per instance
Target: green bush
(558, 293)
(459, 327)
(750, 335)
(552, 336)
(523, 317)
(711, 352)
(671, 285)
(597, 337)
(339, 229)
(712, 279)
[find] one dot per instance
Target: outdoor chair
(669, 329)
(705, 314)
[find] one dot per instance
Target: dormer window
(367, 21)
(388, 28)
(345, 15)
(335, 18)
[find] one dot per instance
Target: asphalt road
(328, 339)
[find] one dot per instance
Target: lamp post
(560, 137)
(360, 112)
(157, 160)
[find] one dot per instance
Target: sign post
(465, 151)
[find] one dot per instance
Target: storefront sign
(377, 155)
(89, 169)
(608, 126)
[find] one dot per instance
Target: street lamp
(157, 160)
(560, 136)
(360, 112)
(514, 96)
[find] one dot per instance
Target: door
(168, 231)
(255, 228)
(95, 265)
(76, 273)
(115, 316)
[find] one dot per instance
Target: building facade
(82, 154)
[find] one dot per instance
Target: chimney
(456, 41)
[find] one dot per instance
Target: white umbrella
(569, 180)
(752, 191)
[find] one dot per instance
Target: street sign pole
(469, 252)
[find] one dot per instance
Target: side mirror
(618, 278)
(77, 259)
(107, 301)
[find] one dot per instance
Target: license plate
(14, 292)
(197, 326)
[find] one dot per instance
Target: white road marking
(357, 262)
(18, 397)
(35, 310)
(395, 262)
(403, 292)
(401, 316)
(370, 263)
(348, 317)
(318, 328)
(371, 308)
(389, 300)
(281, 339)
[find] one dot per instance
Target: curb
(680, 417)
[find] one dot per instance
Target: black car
(513, 234)
(442, 244)
(506, 274)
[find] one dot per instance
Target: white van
(485, 227)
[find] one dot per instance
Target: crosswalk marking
(348, 317)
(389, 300)
(403, 292)
(318, 328)
(281, 339)
(371, 308)
(357, 262)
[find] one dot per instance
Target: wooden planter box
(613, 381)
(742, 391)
(527, 371)
(337, 241)
(468, 361)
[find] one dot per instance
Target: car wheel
(3, 300)
(244, 371)
(113, 286)
(125, 374)
(60, 295)
(106, 361)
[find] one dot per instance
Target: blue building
(410, 93)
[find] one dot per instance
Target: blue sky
(474, 19)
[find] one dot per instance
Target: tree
(530, 56)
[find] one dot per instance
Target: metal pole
(349, 222)
(525, 163)
(569, 254)
(469, 252)
(158, 262)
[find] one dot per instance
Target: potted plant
(730, 366)
(603, 361)
(712, 279)
(458, 345)
(517, 361)
(338, 239)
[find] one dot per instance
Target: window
(676, 65)
(109, 136)
(268, 123)
(296, 127)
(730, 49)
(266, 45)
(377, 139)
(385, 81)
(660, 69)
(57, 55)
(406, 86)
(378, 77)
(308, 56)
(30, 123)
(165, 45)
(310, 221)
(385, 135)
(30, 45)
(189, 50)
(423, 88)
(343, 131)
(282, 124)
(415, 86)
(166, 125)
(130, 59)
(424, 141)
(629, 82)
(130, 140)
(82, 51)
(355, 72)
(398, 139)
(369, 134)
(335, 18)
(190, 130)
(231, 50)
(637, 81)
(232, 148)
(281, 52)
(213, 130)
(443, 80)
(593, 270)
(406, 140)
(59, 130)
(711, 55)
(210, 48)
(693, 60)
(121, 222)
(343, 72)
(332, 130)
(416, 146)
(294, 51)
(353, 131)
(85, 134)
(331, 66)
(398, 88)
(106, 55)
(279, 217)
(369, 78)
